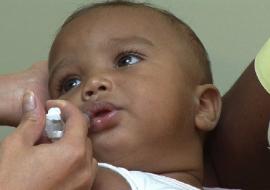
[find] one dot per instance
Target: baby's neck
(190, 177)
(115, 181)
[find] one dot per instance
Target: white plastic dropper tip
(54, 113)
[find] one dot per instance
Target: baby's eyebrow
(131, 40)
(61, 64)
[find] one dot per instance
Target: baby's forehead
(123, 21)
(157, 26)
(150, 17)
(124, 10)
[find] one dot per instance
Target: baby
(143, 77)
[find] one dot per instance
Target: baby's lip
(99, 108)
(103, 115)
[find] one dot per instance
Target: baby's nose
(96, 86)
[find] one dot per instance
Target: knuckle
(75, 153)
(87, 175)
(79, 153)
(29, 118)
(86, 178)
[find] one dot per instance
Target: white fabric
(138, 180)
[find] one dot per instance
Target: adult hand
(65, 164)
(12, 87)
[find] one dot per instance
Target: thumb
(32, 123)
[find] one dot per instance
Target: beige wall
(232, 31)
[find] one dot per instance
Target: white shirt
(138, 180)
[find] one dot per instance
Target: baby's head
(144, 77)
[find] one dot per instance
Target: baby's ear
(208, 107)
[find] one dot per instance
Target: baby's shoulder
(109, 180)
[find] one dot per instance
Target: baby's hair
(198, 47)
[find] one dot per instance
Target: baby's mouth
(103, 115)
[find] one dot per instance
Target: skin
(254, 161)
(257, 162)
(140, 65)
(35, 79)
(243, 126)
(22, 159)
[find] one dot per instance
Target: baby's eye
(128, 59)
(69, 84)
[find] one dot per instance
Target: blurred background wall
(232, 31)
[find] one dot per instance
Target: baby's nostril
(102, 88)
(89, 93)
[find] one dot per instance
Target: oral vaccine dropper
(54, 124)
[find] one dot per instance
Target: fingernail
(29, 101)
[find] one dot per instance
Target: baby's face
(128, 69)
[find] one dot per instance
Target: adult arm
(239, 143)
(13, 86)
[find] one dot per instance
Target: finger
(32, 123)
(92, 162)
(89, 149)
(76, 123)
